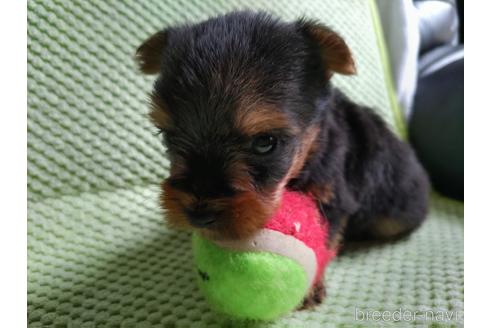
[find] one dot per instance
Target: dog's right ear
(336, 55)
(149, 54)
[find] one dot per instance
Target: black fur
(204, 77)
(206, 71)
(373, 174)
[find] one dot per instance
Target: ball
(269, 273)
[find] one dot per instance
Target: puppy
(247, 109)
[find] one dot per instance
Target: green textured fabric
(252, 285)
(98, 251)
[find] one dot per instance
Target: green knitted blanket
(99, 253)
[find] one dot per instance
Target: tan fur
(308, 141)
(336, 240)
(239, 176)
(323, 193)
(148, 56)
(300, 158)
(159, 113)
(335, 52)
(388, 228)
(261, 119)
(249, 212)
(243, 214)
(173, 201)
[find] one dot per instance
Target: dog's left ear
(335, 53)
(149, 54)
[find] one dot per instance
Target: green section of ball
(248, 285)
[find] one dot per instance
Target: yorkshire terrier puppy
(247, 109)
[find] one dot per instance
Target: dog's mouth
(232, 217)
(205, 221)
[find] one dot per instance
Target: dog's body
(247, 110)
(369, 183)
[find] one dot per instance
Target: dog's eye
(264, 144)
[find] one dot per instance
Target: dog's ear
(149, 54)
(336, 55)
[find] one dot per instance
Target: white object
(400, 22)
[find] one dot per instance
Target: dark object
(436, 125)
(461, 14)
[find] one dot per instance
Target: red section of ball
(298, 215)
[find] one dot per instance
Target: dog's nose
(201, 219)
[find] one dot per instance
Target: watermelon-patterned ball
(269, 273)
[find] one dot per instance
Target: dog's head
(237, 101)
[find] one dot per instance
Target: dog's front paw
(315, 296)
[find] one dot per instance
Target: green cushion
(98, 251)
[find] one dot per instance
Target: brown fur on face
(243, 214)
(240, 177)
(251, 121)
(173, 202)
(246, 211)
(249, 212)
(159, 112)
(249, 209)
(308, 145)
